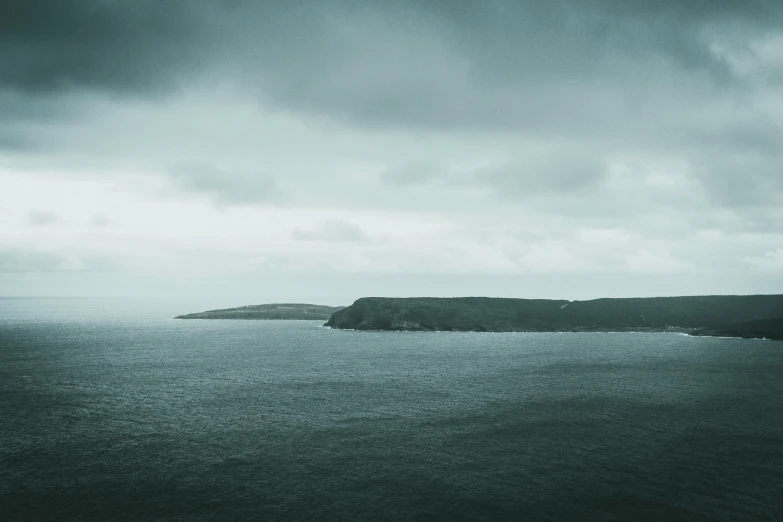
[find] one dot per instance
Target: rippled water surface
(111, 410)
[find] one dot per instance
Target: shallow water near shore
(112, 410)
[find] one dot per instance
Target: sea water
(114, 411)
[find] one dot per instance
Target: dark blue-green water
(115, 412)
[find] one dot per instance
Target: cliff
(689, 314)
(297, 311)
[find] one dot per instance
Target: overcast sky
(321, 151)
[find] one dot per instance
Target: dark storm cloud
(499, 64)
(117, 46)
(614, 74)
(127, 46)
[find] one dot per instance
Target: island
(291, 311)
(756, 316)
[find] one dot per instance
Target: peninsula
(292, 311)
(737, 316)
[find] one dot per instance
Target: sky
(323, 151)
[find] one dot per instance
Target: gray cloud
(225, 187)
(335, 231)
(27, 261)
(10, 140)
(558, 173)
(100, 221)
(41, 218)
(522, 65)
(413, 174)
(743, 179)
(23, 260)
(534, 173)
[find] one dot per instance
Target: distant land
(292, 311)
(756, 316)
(759, 328)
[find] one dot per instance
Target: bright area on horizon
(260, 152)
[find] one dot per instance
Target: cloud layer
(500, 137)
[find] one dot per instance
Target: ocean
(111, 410)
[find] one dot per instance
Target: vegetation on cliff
(269, 311)
(771, 328)
(506, 315)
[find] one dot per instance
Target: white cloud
(333, 231)
(553, 257)
(644, 261)
(604, 236)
